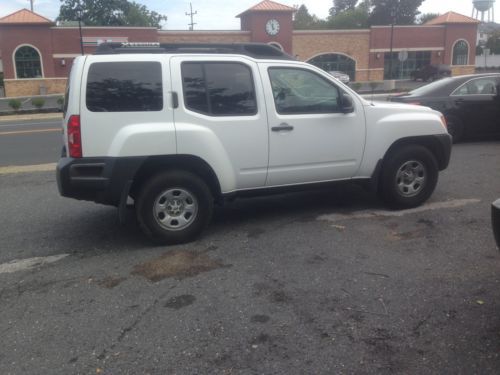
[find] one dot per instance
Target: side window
(124, 87)
(482, 86)
(299, 91)
(219, 89)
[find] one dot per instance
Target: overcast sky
(220, 14)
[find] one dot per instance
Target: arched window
(335, 62)
(28, 64)
(276, 45)
(460, 53)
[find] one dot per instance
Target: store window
(402, 69)
(28, 63)
(460, 53)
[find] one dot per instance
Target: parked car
(495, 220)
(431, 72)
(470, 104)
(342, 77)
(177, 128)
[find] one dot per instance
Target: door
(221, 117)
(310, 139)
(478, 105)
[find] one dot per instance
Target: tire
(409, 177)
(455, 127)
(174, 207)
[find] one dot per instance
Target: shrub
(356, 86)
(15, 104)
(38, 102)
(374, 85)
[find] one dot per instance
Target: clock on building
(272, 27)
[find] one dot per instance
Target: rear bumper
(100, 180)
(495, 220)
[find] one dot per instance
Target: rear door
(221, 116)
(310, 139)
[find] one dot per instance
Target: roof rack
(255, 50)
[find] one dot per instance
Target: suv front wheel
(174, 207)
(409, 176)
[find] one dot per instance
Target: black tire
(455, 127)
(174, 207)
(409, 177)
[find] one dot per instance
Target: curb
(35, 116)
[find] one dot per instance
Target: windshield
(431, 87)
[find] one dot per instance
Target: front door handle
(283, 127)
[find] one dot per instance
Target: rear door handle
(282, 127)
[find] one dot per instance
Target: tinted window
(219, 89)
(124, 87)
(482, 86)
(300, 91)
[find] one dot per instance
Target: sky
(221, 14)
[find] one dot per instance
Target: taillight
(74, 137)
(443, 120)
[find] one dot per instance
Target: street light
(394, 14)
(79, 12)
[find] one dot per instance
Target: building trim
(359, 31)
(106, 27)
(14, 59)
(334, 53)
(204, 32)
(375, 50)
(278, 44)
(407, 26)
(34, 79)
(369, 70)
(65, 55)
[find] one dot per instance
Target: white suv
(177, 128)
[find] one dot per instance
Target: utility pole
(394, 16)
(191, 14)
(31, 4)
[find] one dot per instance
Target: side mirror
(346, 104)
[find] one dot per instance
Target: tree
(405, 12)
(426, 17)
(340, 6)
(303, 20)
(109, 13)
(493, 43)
(356, 18)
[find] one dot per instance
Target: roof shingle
(268, 5)
(24, 16)
(452, 17)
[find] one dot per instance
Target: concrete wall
(37, 86)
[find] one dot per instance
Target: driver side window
(299, 91)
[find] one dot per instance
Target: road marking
(27, 168)
(454, 203)
(31, 131)
(30, 263)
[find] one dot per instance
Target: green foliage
(38, 102)
(356, 86)
(109, 13)
(340, 6)
(406, 11)
(350, 19)
(60, 101)
(15, 104)
(374, 85)
(426, 17)
(303, 20)
(479, 50)
(493, 43)
(1, 79)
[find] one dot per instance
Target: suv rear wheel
(174, 207)
(409, 176)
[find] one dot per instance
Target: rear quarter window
(124, 87)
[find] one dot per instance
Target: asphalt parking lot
(322, 283)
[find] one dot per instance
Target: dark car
(470, 104)
(431, 72)
(495, 220)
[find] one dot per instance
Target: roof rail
(255, 50)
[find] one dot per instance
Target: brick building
(36, 54)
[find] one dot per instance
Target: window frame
(456, 94)
(453, 63)
(339, 90)
(203, 64)
(40, 58)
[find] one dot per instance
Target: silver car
(342, 77)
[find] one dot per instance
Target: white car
(177, 128)
(342, 77)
